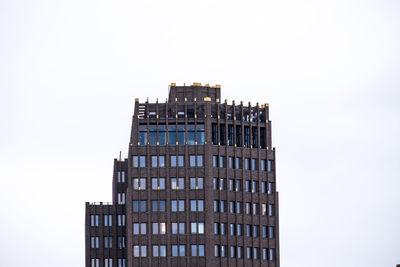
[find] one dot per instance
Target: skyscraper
(197, 188)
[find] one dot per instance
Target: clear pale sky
(70, 70)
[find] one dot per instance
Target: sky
(329, 69)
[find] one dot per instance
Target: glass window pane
(154, 183)
(194, 250)
(200, 205)
(181, 228)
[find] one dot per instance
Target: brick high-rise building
(197, 188)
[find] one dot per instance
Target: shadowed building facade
(197, 188)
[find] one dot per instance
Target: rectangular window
(196, 183)
(255, 230)
(271, 210)
(222, 184)
(270, 165)
(192, 160)
(222, 206)
(178, 250)
(139, 183)
(233, 252)
(214, 134)
(262, 137)
(270, 188)
(178, 228)
(159, 228)
(158, 183)
(232, 229)
(143, 135)
(248, 230)
(173, 161)
(271, 254)
(107, 220)
(216, 206)
(238, 136)
(154, 161)
(121, 262)
(94, 242)
(238, 185)
(247, 163)
(177, 183)
(158, 205)
(193, 249)
(264, 231)
(238, 163)
(254, 164)
(264, 209)
(216, 251)
(222, 161)
(239, 252)
(172, 135)
(152, 135)
(215, 183)
(248, 186)
(238, 207)
(121, 242)
(108, 262)
(121, 220)
(95, 262)
(139, 251)
(255, 209)
(181, 135)
(254, 136)
(271, 232)
(222, 132)
(255, 253)
(201, 250)
(262, 165)
(121, 177)
(180, 161)
(231, 163)
(246, 136)
(200, 134)
(223, 251)
(239, 229)
(191, 134)
(265, 254)
(139, 228)
(231, 184)
(143, 205)
(249, 253)
(223, 228)
(177, 205)
(215, 161)
(121, 198)
(254, 187)
(232, 207)
(108, 242)
(216, 228)
(94, 220)
(248, 208)
(231, 139)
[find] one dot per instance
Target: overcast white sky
(70, 70)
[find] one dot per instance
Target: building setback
(197, 188)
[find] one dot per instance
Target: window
(270, 188)
(196, 183)
(246, 136)
(262, 137)
(231, 162)
(255, 208)
(215, 183)
(95, 262)
(200, 134)
(254, 136)
(255, 230)
(254, 164)
(262, 165)
(94, 220)
(270, 166)
(216, 251)
(271, 232)
(216, 206)
(264, 209)
(197, 205)
(214, 134)
(271, 254)
(232, 207)
(121, 177)
(239, 229)
(248, 186)
(271, 210)
(265, 254)
(248, 230)
(254, 187)
(178, 228)
(196, 161)
(222, 134)
(222, 206)
(238, 136)
(223, 228)
(223, 251)
(139, 228)
(222, 161)
(160, 251)
(231, 139)
(154, 161)
(249, 253)
(121, 219)
(139, 251)
(107, 220)
(238, 207)
(94, 242)
(232, 229)
(108, 242)
(172, 135)
(181, 134)
(159, 228)
(177, 183)
(238, 163)
(255, 253)
(158, 205)
(238, 185)
(233, 252)
(177, 161)
(239, 252)
(121, 262)
(177, 205)
(201, 250)
(247, 163)
(231, 184)
(216, 228)
(121, 198)
(121, 242)
(139, 205)
(158, 183)
(248, 208)
(215, 161)
(178, 250)
(197, 228)
(107, 262)
(139, 183)
(264, 231)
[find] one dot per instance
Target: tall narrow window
(142, 161)
(254, 136)
(215, 161)
(162, 135)
(181, 135)
(143, 135)
(231, 139)
(270, 165)
(172, 135)
(262, 137)
(222, 132)
(152, 135)
(200, 134)
(191, 134)
(214, 134)
(238, 136)
(246, 136)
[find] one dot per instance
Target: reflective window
(181, 135)
(171, 135)
(153, 135)
(191, 134)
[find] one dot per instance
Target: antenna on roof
(120, 155)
